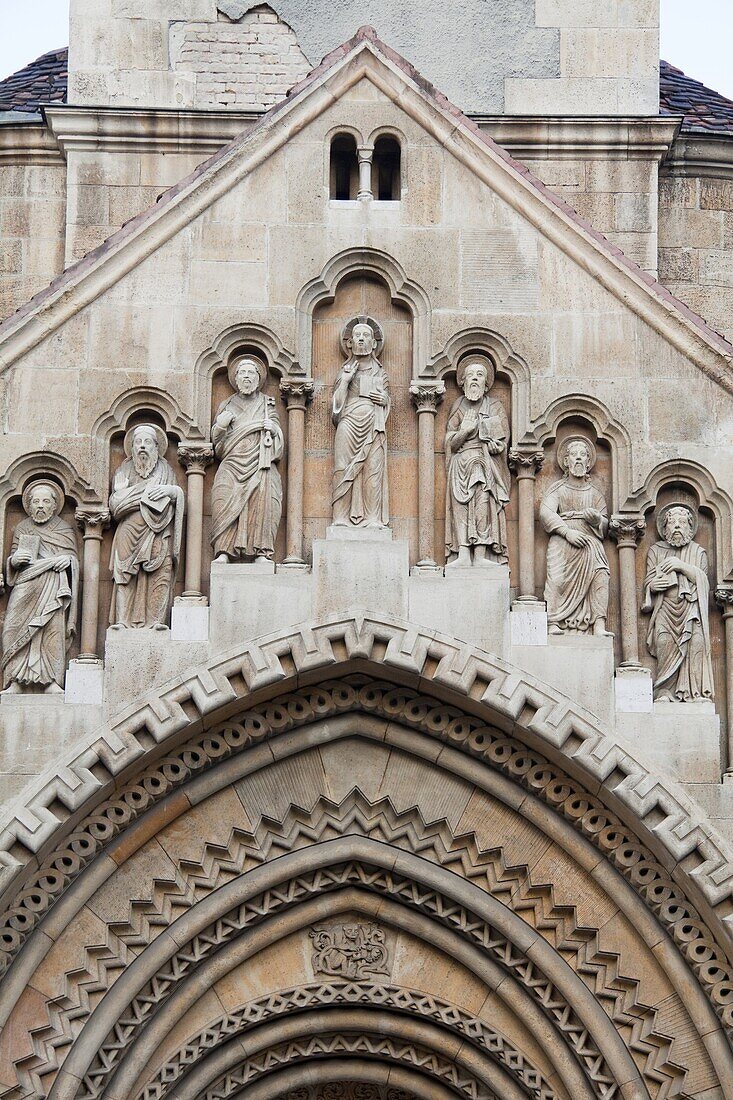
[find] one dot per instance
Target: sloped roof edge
(105, 265)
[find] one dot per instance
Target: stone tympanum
(677, 595)
(574, 514)
(247, 498)
(476, 441)
(43, 575)
(360, 409)
(147, 505)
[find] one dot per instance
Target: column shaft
(194, 457)
(629, 613)
(92, 524)
(426, 396)
(526, 464)
(296, 393)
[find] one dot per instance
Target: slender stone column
(365, 154)
(627, 530)
(526, 464)
(92, 522)
(724, 599)
(426, 396)
(296, 393)
(194, 457)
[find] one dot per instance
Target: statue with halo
(360, 408)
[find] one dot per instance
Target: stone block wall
(696, 245)
(550, 57)
(32, 219)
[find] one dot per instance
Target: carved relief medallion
(352, 951)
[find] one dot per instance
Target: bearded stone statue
(574, 514)
(43, 575)
(677, 595)
(360, 409)
(148, 506)
(476, 441)
(247, 498)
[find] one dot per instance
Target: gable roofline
(365, 55)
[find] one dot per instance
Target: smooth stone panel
(360, 574)
(579, 667)
(471, 604)
(84, 683)
(681, 740)
(528, 623)
(189, 622)
(249, 601)
(634, 690)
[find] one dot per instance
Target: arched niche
(264, 348)
(670, 484)
(602, 476)
(502, 390)
(60, 473)
(362, 293)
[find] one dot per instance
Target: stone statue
(148, 506)
(43, 576)
(677, 594)
(247, 498)
(575, 516)
(360, 409)
(476, 441)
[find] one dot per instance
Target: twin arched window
(366, 171)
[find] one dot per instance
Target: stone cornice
(145, 130)
(538, 138)
(700, 155)
(29, 143)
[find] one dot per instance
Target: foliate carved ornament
(349, 950)
(297, 393)
(525, 462)
(626, 530)
(724, 599)
(195, 457)
(426, 396)
(93, 521)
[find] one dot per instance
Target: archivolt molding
(373, 995)
(279, 360)
(364, 262)
(606, 427)
(506, 360)
(459, 1079)
(348, 1090)
(709, 495)
(354, 817)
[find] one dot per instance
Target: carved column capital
(297, 393)
(724, 599)
(627, 530)
(92, 521)
(525, 462)
(426, 396)
(195, 457)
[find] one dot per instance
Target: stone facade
(368, 615)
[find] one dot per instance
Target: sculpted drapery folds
(247, 496)
(43, 575)
(360, 409)
(476, 442)
(147, 505)
(575, 515)
(677, 595)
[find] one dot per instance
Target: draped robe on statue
(42, 605)
(146, 545)
(360, 490)
(247, 498)
(576, 589)
(478, 482)
(679, 629)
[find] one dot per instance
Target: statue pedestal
(470, 603)
(634, 690)
(84, 683)
(681, 740)
(368, 573)
(250, 600)
(190, 620)
(528, 622)
(580, 667)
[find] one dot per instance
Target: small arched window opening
(386, 169)
(344, 168)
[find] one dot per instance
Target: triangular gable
(366, 56)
